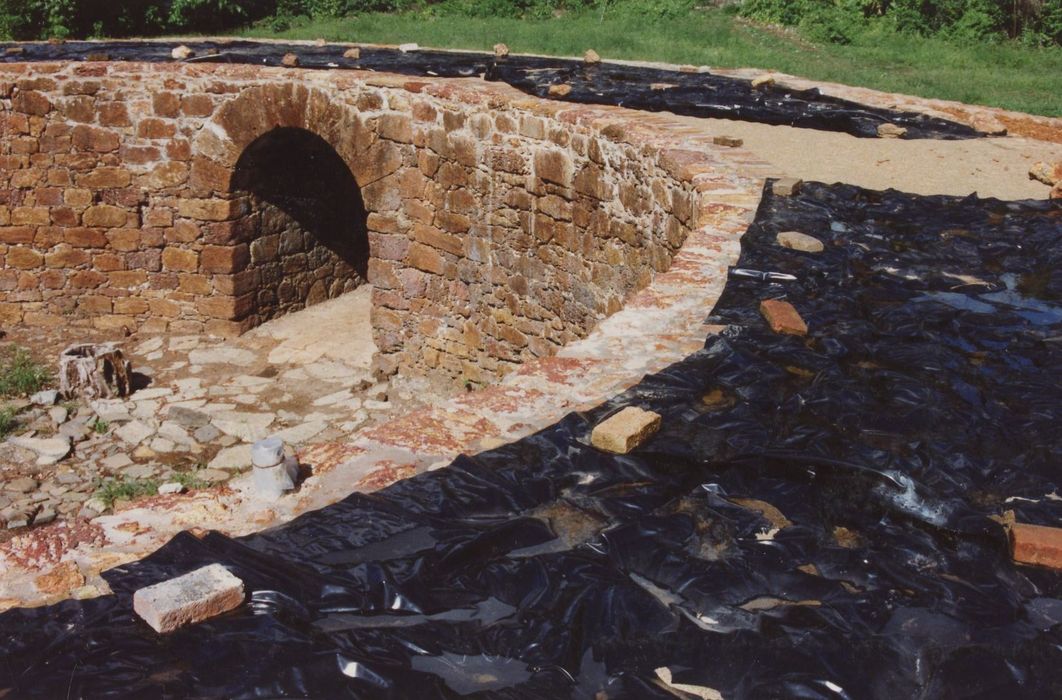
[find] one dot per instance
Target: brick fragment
(1036, 545)
(188, 599)
(625, 431)
(782, 317)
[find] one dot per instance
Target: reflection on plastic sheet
(812, 520)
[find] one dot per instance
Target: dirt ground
(991, 167)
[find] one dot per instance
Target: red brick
(1036, 545)
(782, 317)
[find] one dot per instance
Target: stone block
(625, 431)
(180, 259)
(782, 317)
(189, 599)
(104, 216)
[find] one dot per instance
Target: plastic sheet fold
(701, 94)
(813, 520)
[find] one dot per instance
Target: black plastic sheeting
(693, 94)
(926, 395)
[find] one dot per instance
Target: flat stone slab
(48, 450)
(221, 356)
(244, 426)
(625, 431)
(188, 599)
(134, 432)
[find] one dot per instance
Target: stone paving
(298, 378)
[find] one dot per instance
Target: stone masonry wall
(499, 226)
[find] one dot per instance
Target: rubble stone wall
(497, 227)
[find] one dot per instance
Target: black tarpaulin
(643, 88)
(813, 520)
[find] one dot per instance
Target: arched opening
(309, 238)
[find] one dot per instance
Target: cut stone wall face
(493, 227)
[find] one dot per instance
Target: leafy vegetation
(1003, 53)
(8, 421)
(189, 480)
(20, 374)
(1035, 21)
(111, 490)
(126, 489)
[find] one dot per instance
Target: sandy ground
(991, 167)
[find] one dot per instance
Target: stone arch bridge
(493, 226)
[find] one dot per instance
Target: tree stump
(94, 371)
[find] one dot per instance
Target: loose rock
(891, 131)
(188, 599)
(800, 241)
(1048, 174)
(591, 57)
(787, 186)
(626, 430)
(290, 60)
(561, 90)
(765, 80)
(728, 141)
(353, 53)
(45, 398)
(501, 50)
(181, 53)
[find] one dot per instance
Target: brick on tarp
(625, 430)
(782, 317)
(188, 599)
(1037, 545)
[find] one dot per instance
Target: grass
(111, 490)
(99, 426)
(8, 421)
(124, 489)
(1004, 75)
(20, 374)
